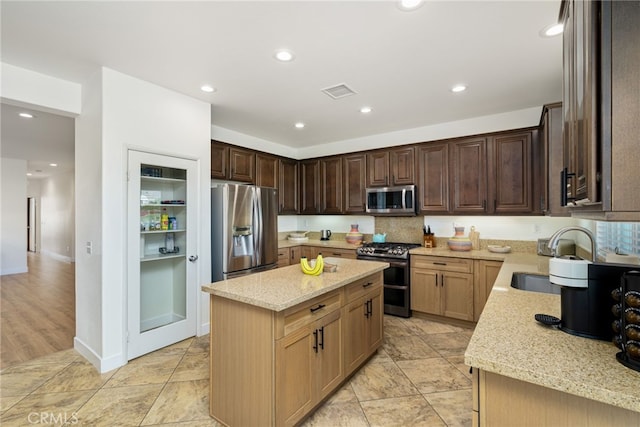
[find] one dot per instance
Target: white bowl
(499, 249)
(298, 239)
(298, 234)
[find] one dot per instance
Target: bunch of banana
(316, 270)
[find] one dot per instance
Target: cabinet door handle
(193, 258)
(436, 279)
(442, 280)
(313, 310)
(315, 338)
(366, 309)
(321, 344)
(366, 285)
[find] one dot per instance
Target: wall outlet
(89, 247)
(536, 228)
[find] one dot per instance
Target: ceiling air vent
(339, 91)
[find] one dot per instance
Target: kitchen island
(529, 374)
(282, 341)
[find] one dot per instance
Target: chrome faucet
(555, 239)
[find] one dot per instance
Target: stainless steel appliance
(397, 278)
(391, 200)
(244, 230)
(325, 234)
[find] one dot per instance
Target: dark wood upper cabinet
(310, 186)
(267, 174)
(355, 172)
(331, 185)
(580, 98)
(391, 167)
(551, 161)
(468, 175)
(242, 165)
(510, 171)
(433, 177)
(402, 164)
(219, 160)
(378, 165)
(288, 187)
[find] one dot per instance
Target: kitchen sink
(534, 283)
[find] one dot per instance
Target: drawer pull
(336, 254)
(313, 310)
(366, 285)
(440, 263)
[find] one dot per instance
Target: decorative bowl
(499, 249)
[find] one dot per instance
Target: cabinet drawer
(358, 288)
(461, 265)
(312, 310)
(284, 255)
(337, 253)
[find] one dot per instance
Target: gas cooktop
(386, 250)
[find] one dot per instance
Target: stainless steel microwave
(392, 200)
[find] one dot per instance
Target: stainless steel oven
(397, 278)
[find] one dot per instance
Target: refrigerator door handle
(258, 228)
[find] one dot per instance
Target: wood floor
(37, 310)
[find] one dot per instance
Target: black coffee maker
(586, 312)
(626, 326)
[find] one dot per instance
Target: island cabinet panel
(433, 177)
(468, 175)
(273, 368)
(504, 401)
(363, 325)
(442, 286)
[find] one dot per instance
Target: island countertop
(286, 287)
(508, 341)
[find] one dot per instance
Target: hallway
(37, 310)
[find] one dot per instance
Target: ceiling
(401, 64)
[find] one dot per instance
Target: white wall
(123, 113)
(493, 123)
(13, 216)
(24, 87)
(57, 208)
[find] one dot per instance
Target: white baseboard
(16, 270)
(101, 364)
(205, 328)
(57, 256)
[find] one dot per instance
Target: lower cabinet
(284, 257)
(309, 366)
(485, 273)
(442, 286)
(274, 368)
(502, 401)
(364, 318)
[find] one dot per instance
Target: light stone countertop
(508, 341)
(286, 287)
(337, 244)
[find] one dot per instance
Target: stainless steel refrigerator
(244, 230)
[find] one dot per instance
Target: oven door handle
(398, 264)
(399, 287)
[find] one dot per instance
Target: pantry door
(162, 251)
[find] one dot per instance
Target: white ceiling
(402, 64)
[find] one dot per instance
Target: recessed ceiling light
(299, 125)
(551, 30)
(207, 88)
(408, 5)
(365, 110)
(29, 174)
(26, 115)
(458, 88)
(53, 164)
(284, 55)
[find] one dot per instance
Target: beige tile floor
(418, 378)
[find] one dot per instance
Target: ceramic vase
(459, 242)
(354, 236)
